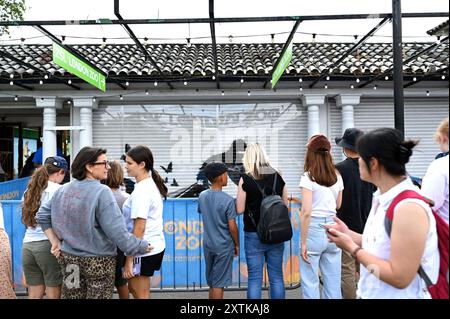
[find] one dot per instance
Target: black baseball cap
(57, 161)
(348, 140)
(212, 170)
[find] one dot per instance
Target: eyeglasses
(105, 163)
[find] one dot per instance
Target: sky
(414, 30)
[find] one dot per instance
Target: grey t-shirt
(217, 208)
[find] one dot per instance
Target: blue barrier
(14, 189)
(12, 214)
(183, 266)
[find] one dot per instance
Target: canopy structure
(175, 65)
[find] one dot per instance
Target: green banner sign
(74, 65)
(285, 60)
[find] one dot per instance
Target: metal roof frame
(396, 17)
(350, 51)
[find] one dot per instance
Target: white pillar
(313, 102)
(347, 102)
(347, 117)
(74, 134)
(49, 104)
(85, 105)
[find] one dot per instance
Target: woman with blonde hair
(435, 183)
(321, 186)
(41, 270)
(260, 174)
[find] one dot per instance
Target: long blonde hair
(256, 162)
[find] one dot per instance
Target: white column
(74, 134)
(313, 102)
(347, 102)
(49, 104)
(85, 105)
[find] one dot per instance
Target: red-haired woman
(321, 187)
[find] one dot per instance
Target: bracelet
(355, 252)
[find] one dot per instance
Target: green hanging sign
(76, 66)
(284, 62)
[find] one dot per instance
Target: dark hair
(388, 147)
(141, 154)
(115, 175)
(319, 163)
(87, 155)
(32, 197)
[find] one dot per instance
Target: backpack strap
(407, 194)
(250, 213)
(274, 183)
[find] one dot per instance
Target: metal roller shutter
(187, 135)
(421, 120)
(422, 117)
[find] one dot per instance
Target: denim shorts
(219, 268)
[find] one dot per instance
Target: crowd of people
(87, 236)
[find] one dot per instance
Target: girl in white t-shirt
(391, 263)
(40, 267)
(145, 208)
(321, 187)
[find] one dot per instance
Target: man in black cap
(356, 204)
(220, 239)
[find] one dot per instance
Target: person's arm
(138, 231)
(112, 223)
(234, 234)
(342, 227)
(408, 239)
(339, 200)
(340, 186)
(241, 198)
(54, 240)
(44, 216)
(305, 219)
(285, 196)
(433, 187)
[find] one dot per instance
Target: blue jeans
(324, 255)
(256, 253)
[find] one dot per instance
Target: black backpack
(274, 225)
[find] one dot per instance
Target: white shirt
(36, 233)
(146, 202)
(2, 223)
(435, 185)
(376, 241)
(324, 198)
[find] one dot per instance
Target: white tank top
(376, 241)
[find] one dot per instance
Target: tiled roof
(440, 29)
(309, 59)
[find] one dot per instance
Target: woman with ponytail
(398, 238)
(41, 269)
(145, 208)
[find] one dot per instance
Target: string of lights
(190, 39)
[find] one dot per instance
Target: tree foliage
(11, 10)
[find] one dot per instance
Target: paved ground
(233, 294)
